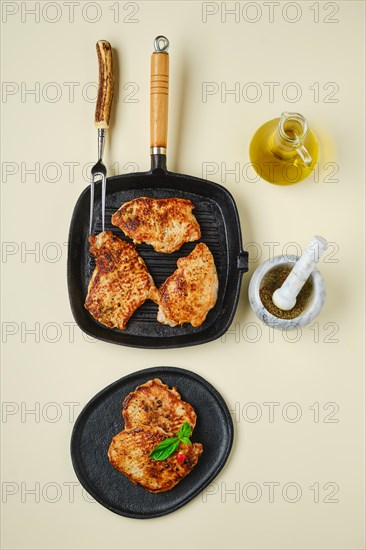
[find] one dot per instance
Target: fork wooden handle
(105, 88)
(159, 95)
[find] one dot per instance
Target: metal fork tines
(98, 171)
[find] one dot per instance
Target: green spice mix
(274, 280)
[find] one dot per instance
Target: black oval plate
(101, 419)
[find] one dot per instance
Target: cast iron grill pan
(216, 213)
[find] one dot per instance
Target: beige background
(324, 364)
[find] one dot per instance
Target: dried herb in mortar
(272, 280)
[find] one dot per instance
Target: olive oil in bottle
(284, 150)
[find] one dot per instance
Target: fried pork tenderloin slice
(189, 294)
(129, 453)
(153, 403)
(165, 224)
(120, 282)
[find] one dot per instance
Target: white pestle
(285, 296)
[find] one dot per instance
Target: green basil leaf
(168, 441)
(165, 448)
(185, 431)
(169, 445)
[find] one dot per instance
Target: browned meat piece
(129, 453)
(166, 224)
(155, 404)
(120, 282)
(189, 294)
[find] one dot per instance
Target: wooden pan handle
(105, 88)
(159, 95)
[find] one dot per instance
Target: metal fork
(101, 121)
(98, 170)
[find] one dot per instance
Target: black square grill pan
(215, 211)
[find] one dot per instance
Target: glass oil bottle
(284, 150)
